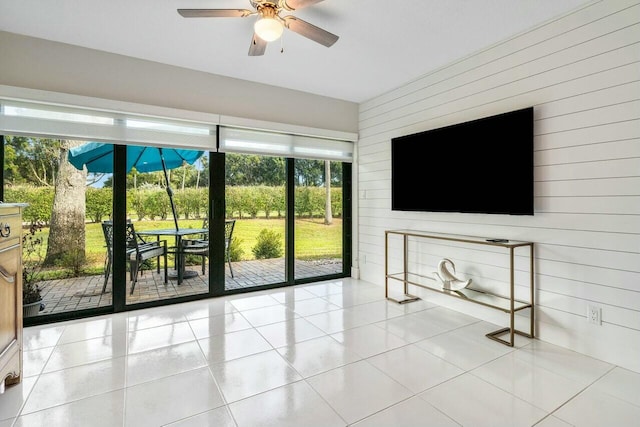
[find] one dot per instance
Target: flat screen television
(479, 166)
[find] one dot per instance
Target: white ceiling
(383, 44)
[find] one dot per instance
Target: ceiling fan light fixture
(268, 29)
(269, 25)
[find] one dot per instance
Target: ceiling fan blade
(298, 4)
(258, 46)
(215, 13)
(310, 31)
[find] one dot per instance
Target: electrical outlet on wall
(594, 314)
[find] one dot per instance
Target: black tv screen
(480, 166)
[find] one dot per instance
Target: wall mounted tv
(479, 166)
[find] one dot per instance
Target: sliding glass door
(318, 224)
(255, 221)
(101, 230)
(167, 190)
(64, 251)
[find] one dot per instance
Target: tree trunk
(66, 235)
(328, 216)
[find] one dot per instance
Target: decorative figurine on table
(449, 281)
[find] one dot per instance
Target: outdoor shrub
(99, 203)
(279, 199)
(254, 201)
(336, 201)
(147, 264)
(310, 201)
(32, 256)
(268, 245)
(303, 201)
(272, 199)
(190, 259)
(150, 201)
(233, 201)
(158, 203)
(73, 261)
(40, 200)
(317, 201)
(40, 205)
(250, 199)
(262, 196)
(201, 197)
(181, 203)
(138, 203)
(235, 250)
(191, 202)
(15, 194)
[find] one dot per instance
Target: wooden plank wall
(581, 72)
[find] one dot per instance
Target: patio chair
(138, 251)
(200, 246)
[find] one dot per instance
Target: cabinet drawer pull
(5, 230)
(10, 278)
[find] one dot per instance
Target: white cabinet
(10, 294)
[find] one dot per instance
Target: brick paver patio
(84, 292)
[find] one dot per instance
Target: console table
(506, 303)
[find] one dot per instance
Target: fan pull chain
(282, 44)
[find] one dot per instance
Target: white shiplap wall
(581, 72)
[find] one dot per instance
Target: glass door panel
(167, 216)
(318, 223)
(64, 251)
(255, 211)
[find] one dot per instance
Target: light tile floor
(327, 354)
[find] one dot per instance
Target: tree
(67, 234)
(186, 176)
(11, 172)
(240, 169)
(31, 160)
(271, 171)
(309, 172)
(202, 177)
(137, 179)
(245, 169)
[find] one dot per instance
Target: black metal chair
(138, 251)
(200, 246)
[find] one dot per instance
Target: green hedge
(99, 203)
(40, 200)
(153, 203)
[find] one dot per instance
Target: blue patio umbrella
(98, 157)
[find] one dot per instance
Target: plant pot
(32, 309)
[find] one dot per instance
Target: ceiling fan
(270, 24)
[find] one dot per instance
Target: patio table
(181, 273)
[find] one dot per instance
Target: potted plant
(31, 300)
(32, 263)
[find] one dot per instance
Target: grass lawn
(314, 240)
